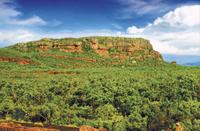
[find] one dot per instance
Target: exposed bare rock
(17, 126)
(9, 126)
(87, 128)
(18, 61)
(70, 48)
(102, 52)
(118, 56)
(179, 127)
(114, 47)
(23, 62)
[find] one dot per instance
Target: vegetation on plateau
(53, 85)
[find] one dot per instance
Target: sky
(172, 26)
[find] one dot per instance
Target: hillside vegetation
(112, 82)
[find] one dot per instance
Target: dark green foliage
(141, 98)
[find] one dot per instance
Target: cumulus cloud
(10, 15)
(134, 30)
(177, 32)
(183, 16)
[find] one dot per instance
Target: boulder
(87, 128)
(179, 127)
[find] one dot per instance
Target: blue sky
(172, 26)
(97, 14)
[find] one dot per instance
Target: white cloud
(177, 32)
(35, 20)
(8, 37)
(10, 15)
(134, 30)
(185, 16)
(142, 7)
(8, 10)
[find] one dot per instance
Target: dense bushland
(138, 98)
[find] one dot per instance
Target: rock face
(179, 127)
(123, 49)
(64, 48)
(110, 47)
(17, 126)
(87, 128)
(18, 61)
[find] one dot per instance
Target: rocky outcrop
(64, 48)
(124, 48)
(18, 61)
(179, 127)
(99, 49)
(87, 128)
(10, 126)
(17, 126)
(70, 48)
(114, 47)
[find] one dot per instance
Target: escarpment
(138, 49)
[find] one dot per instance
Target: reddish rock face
(11, 126)
(87, 128)
(179, 127)
(139, 49)
(6, 59)
(102, 52)
(64, 48)
(70, 48)
(98, 49)
(157, 55)
(103, 129)
(18, 61)
(125, 50)
(119, 56)
(18, 127)
(23, 62)
(94, 44)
